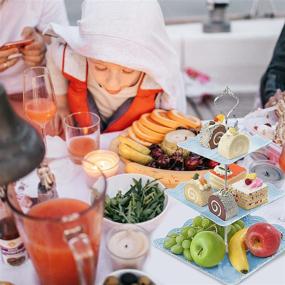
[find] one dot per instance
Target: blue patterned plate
(224, 272)
(193, 145)
(178, 193)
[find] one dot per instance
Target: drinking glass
(62, 235)
(82, 134)
(38, 97)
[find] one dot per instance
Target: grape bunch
(180, 242)
(178, 161)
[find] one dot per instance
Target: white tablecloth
(165, 268)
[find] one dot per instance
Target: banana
(169, 144)
(237, 252)
(133, 144)
(133, 155)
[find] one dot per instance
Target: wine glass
(38, 97)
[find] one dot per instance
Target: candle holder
(100, 161)
(127, 246)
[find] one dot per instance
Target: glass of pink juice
(38, 97)
(82, 134)
(62, 235)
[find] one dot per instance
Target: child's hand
(58, 123)
(62, 112)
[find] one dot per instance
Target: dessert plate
(178, 194)
(224, 272)
(193, 145)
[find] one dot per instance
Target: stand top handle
(227, 93)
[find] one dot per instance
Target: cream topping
(240, 186)
(220, 169)
(202, 187)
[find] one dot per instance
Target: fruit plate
(224, 272)
(178, 194)
(170, 178)
(193, 145)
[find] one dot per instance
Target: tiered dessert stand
(224, 272)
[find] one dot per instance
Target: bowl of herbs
(134, 199)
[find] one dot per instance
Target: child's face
(113, 77)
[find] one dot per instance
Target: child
(118, 62)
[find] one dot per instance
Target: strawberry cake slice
(250, 192)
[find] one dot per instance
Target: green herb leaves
(139, 204)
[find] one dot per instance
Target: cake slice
(233, 144)
(211, 134)
(197, 190)
(250, 192)
(217, 175)
(223, 205)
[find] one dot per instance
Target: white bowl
(123, 182)
(134, 271)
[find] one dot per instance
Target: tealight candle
(101, 161)
(127, 246)
(267, 171)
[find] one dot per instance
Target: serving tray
(193, 145)
(178, 194)
(224, 272)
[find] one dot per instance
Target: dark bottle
(12, 248)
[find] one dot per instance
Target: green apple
(207, 249)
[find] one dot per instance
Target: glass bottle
(12, 248)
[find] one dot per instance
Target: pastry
(197, 190)
(223, 205)
(233, 144)
(217, 175)
(211, 134)
(250, 192)
(169, 144)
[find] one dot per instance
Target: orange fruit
(188, 121)
(153, 134)
(148, 122)
(143, 136)
(132, 136)
(160, 116)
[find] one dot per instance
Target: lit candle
(104, 161)
(127, 246)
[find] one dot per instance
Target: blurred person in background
(20, 20)
(273, 81)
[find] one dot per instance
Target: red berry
(212, 164)
(192, 163)
(248, 181)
